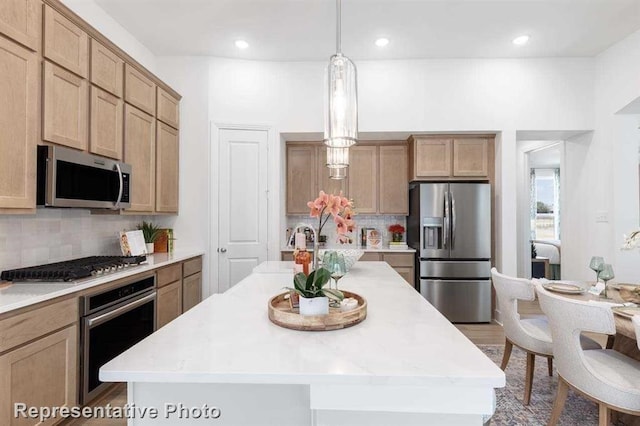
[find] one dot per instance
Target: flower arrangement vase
(396, 237)
(150, 248)
(314, 306)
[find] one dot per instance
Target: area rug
(578, 411)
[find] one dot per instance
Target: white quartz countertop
(21, 294)
(228, 338)
(381, 250)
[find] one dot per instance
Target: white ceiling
(546, 158)
(298, 30)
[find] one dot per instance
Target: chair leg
(508, 346)
(605, 414)
(610, 340)
(558, 404)
(531, 363)
(550, 366)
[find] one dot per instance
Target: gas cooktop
(72, 269)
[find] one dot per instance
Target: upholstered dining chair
(605, 376)
(529, 334)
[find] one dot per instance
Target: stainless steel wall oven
(113, 321)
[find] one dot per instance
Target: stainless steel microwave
(70, 178)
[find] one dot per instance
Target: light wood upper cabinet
(139, 90)
(432, 158)
(19, 124)
(191, 291)
(140, 153)
(326, 184)
(301, 177)
(42, 373)
(66, 111)
(363, 178)
(167, 153)
(107, 69)
(168, 108)
(394, 180)
(106, 124)
(470, 157)
(169, 303)
(65, 43)
(21, 20)
(459, 158)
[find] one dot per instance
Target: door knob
(223, 250)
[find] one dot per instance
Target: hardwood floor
(116, 397)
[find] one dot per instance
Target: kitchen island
(404, 365)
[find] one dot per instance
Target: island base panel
(267, 404)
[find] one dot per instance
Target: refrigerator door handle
(445, 231)
(453, 220)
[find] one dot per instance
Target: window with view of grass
(545, 204)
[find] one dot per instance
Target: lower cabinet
(191, 291)
(169, 303)
(42, 373)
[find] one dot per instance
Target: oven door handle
(122, 309)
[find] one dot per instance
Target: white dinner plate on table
(626, 311)
(563, 288)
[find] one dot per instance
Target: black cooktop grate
(72, 269)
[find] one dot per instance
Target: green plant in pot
(150, 232)
(314, 297)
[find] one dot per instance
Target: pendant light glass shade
(337, 158)
(338, 173)
(341, 116)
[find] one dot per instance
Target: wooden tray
(281, 313)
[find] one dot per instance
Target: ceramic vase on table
(396, 237)
(150, 248)
(314, 306)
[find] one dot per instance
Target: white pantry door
(242, 208)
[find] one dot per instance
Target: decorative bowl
(351, 256)
(630, 293)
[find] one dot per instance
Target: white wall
(608, 180)
(417, 96)
(103, 22)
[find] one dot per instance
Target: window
(545, 204)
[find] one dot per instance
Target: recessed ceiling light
(241, 44)
(521, 40)
(382, 42)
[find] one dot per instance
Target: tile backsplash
(380, 222)
(53, 235)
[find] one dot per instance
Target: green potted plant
(314, 298)
(150, 232)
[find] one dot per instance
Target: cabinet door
(470, 157)
(166, 169)
(106, 124)
(66, 111)
(301, 178)
(394, 180)
(65, 43)
(139, 91)
(168, 109)
(432, 158)
(363, 178)
(191, 291)
(106, 69)
(330, 186)
(169, 303)
(140, 153)
(42, 373)
(19, 124)
(408, 274)
(21, 20)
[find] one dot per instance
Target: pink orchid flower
(341, 225)
(333, 205)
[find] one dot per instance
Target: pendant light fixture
(337, 158)
(338, 173)
(341, 106)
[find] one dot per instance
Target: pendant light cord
(339, 26)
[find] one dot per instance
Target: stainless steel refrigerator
(449, 225)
